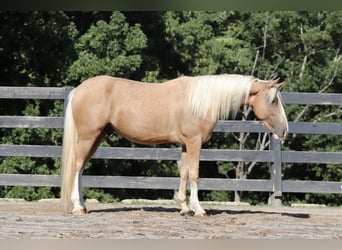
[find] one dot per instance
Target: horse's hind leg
(76, 194)
(82, 154)
(85, 149)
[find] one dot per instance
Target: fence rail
(275, 155)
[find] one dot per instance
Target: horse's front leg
(193, 154)
(194, 202)
(190, 170)
(180, 196)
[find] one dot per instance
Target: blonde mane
(219, 94)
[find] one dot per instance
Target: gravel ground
(45, 220)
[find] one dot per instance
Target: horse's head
(267, 106)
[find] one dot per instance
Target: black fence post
(276, 174)
(67, 90)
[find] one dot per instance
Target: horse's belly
(147, 131)
(147, 136)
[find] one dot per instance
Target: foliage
(112, 48)
(25, 40)
(65, 48)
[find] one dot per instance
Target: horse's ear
(280, 85)
(273, 83)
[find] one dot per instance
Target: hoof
(201, 215)
(186, 213)
(80, 211)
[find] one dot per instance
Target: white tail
(68, 156)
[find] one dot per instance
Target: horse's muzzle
(281, 136)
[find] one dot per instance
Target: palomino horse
(184, 111)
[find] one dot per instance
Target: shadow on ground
(210, 212)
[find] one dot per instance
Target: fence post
(67, 90)
(276, 174)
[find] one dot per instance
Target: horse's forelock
(274, 93)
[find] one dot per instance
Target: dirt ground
(45, 220)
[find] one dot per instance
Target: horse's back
(108, 85)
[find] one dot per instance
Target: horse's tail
(68, 156)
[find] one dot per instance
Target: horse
(182, 111)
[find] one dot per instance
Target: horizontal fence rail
(312, 98)
(320, 128)
(275, 155)
(52, 93)
(174, 154)
(171, 183)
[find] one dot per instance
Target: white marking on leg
(194, 202)
(76, 195)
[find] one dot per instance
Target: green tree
(186, 32)
(112, 48)
(35, 50)
(35, 47)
